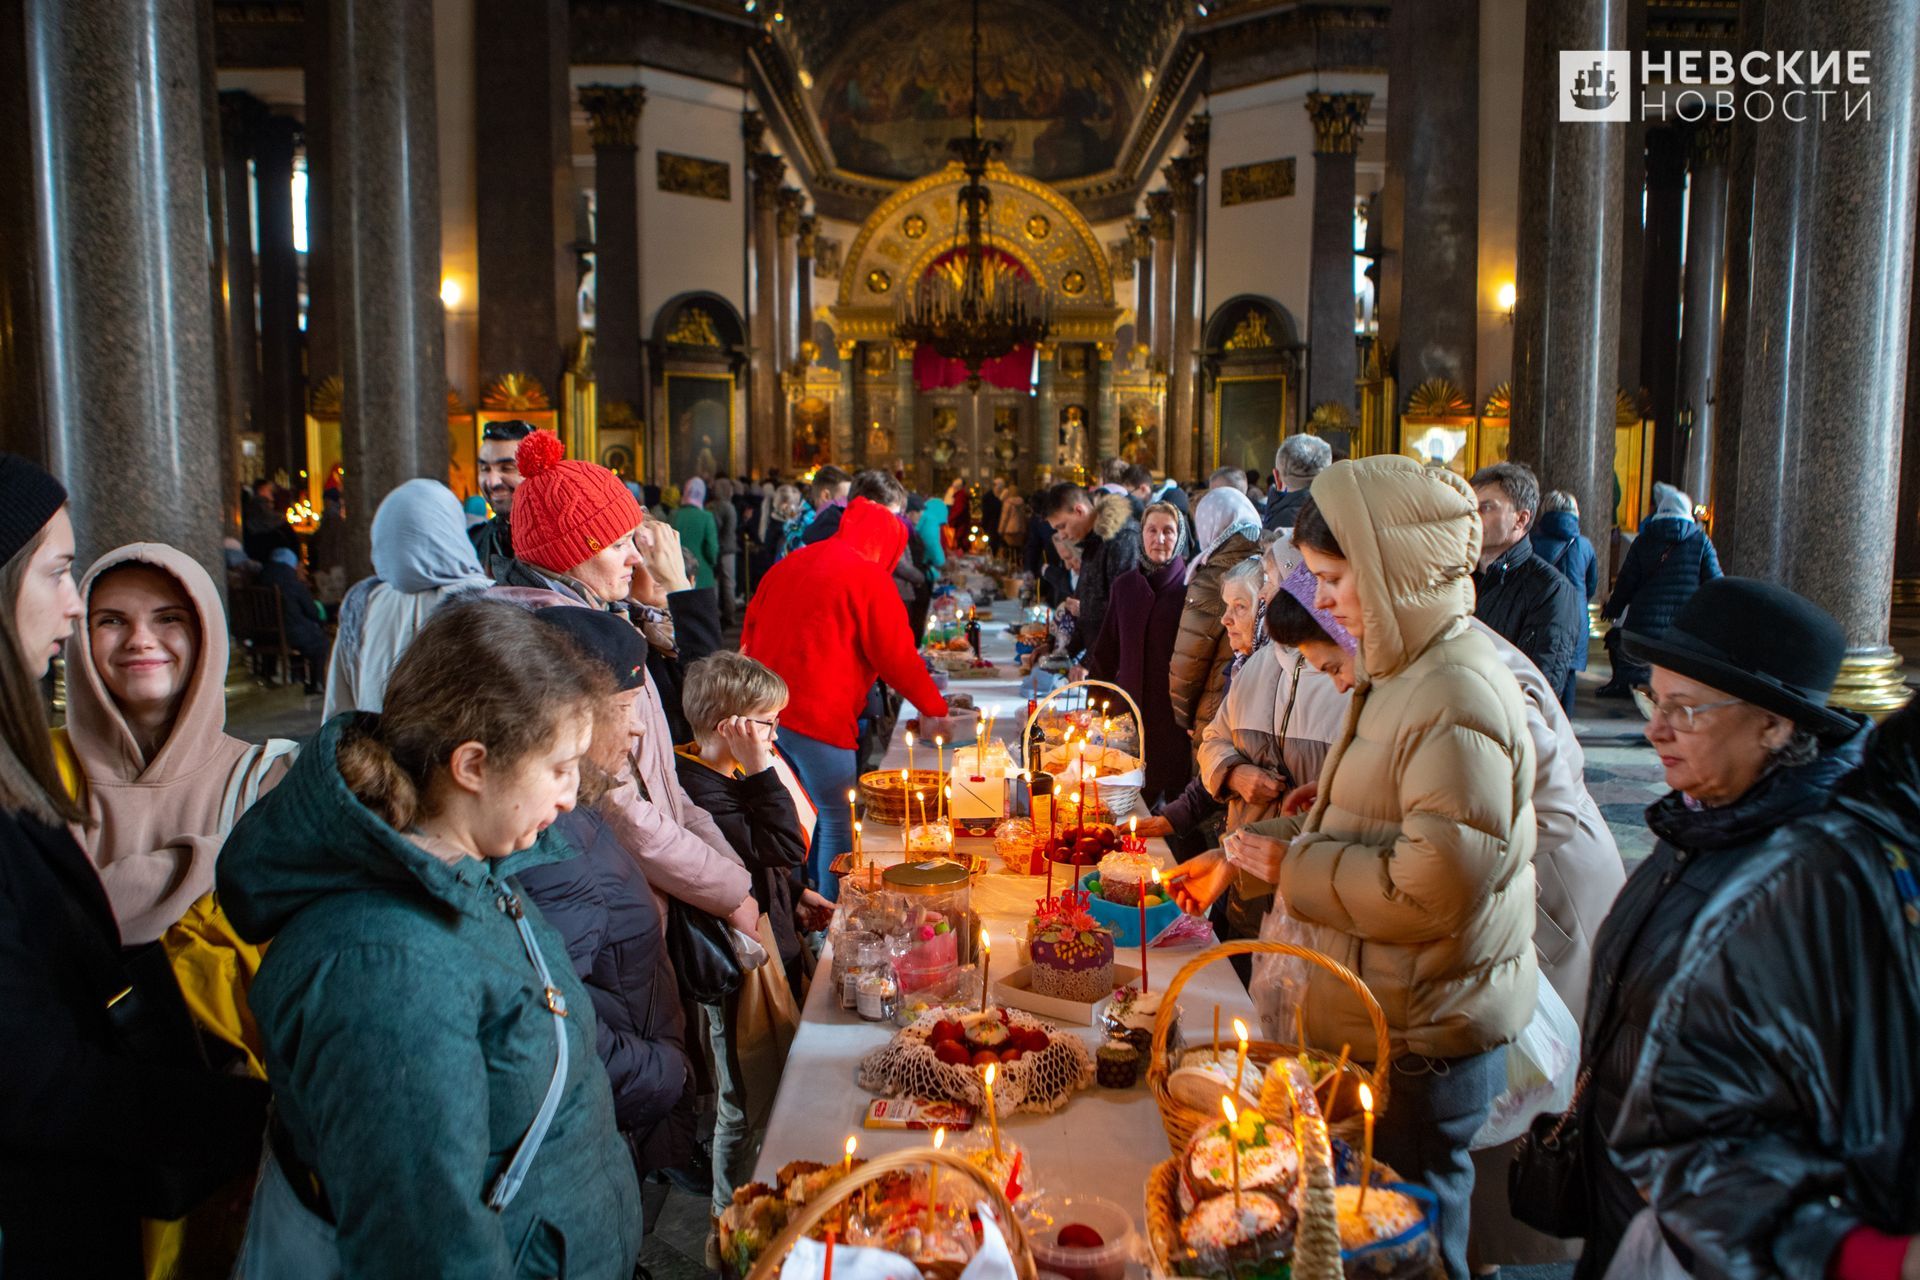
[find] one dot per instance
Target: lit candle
(856, 846)
(1233, 1143)
(933, 1177)
(940, 752)
(1366, 1149)
(993, 1117)
(909, 749)
(986, 966)
(921, 796)
(853, 815)
(948, 811)
(1240, 1029)
(847, 1165)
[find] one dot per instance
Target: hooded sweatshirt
(827, 619)
(421, 558)
(156, 823)
(410, 1045)
(1415, 866)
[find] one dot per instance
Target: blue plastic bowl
(1124, 921)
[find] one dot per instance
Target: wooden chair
(257, 620)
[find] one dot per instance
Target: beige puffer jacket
(1201, 651)
(1415, 866)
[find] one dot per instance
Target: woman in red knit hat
(577, 540)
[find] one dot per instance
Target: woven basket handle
(837, 1193)
(1163, 1020)
(1139, 721)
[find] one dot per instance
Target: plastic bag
(1643, 1253)
(1541, 1067)
(1279, 983)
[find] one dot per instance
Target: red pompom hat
(566, 511)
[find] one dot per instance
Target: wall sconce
(1506, 298)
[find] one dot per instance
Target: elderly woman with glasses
(1736, 707)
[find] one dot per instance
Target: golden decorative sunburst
(1438, 398)
(514, 391)
(1499, 402)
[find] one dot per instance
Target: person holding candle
(1414, 866)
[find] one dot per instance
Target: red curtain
(1011, 372)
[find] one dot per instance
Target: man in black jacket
(1109, 540)
(1521, 596)
(499, 476)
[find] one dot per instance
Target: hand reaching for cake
(1198, 882)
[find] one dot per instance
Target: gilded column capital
(792, 201)
(1160, 214)
(809, 233)
(1183, 180)
(1708, 144)
(753, 128)
(1198, 131)
(1140, 236)
(1338, 119)
(613, 113)
(769, 170)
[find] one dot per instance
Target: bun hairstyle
(479, 671)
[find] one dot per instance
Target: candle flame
(852, 1142)
(939, 740)
(940, 1137)
(909, 737)
(1156, 870)
(990, 1071)
(985, 942)
(1226, 1105)
(1240, 1029)
(852, 795)
(1366, 1098)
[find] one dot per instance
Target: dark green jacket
(409, 1047)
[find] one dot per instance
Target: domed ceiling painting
(891, 84)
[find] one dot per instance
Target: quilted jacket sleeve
(1194, 647)
(1456, 789)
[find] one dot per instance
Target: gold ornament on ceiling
(1438, 398)
(1073, 284)
(1499, 402)
(1038, 226)
(913, 226)
(879, 281)
(693, 327)
(514, 391)
(1251, 333)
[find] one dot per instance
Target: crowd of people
(462, 983)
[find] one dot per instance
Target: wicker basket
(767, 1266)
(1040, 709)
(886, 801)
(1180, 1120)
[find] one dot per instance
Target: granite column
(786, 270)
(803, 246)
(1439, 157)
(766, 443)
(1140, 244)
(117, 262)
(613, 116)
(1567, 310)
(279, 407)
(1700, 315)
(1160, 225)
(386, 217)
(1186, 454)
(525, 168)
(1660, 292)
(1906, 537)
(242, 116)
(323, 311)
(1827, 333)
(1730, 376)
(1333, 359)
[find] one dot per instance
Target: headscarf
(476, 510)
(1147, 566)
(1303, 586)
(284, 555)
(694, 492)
(1669, 501)
(420, 540)
(1216, 518)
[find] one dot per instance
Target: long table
(1103, 1142)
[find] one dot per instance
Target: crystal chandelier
(975, 306)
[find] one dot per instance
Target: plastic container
(932, 902)
(1124, 921)
(1046, 1215)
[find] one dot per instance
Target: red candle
(827, 1274)
(1143, 939)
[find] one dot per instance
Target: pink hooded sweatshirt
(156, 823)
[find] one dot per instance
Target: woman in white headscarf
(1670, 557)
(421, 558)
(1227, 529)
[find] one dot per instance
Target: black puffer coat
(1698, 852)
(1535, 608)
(755, 813)
(1777, 1102)
(1109, 550)
(1669, 559)
(599, 902)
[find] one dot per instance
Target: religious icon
(1072, 445)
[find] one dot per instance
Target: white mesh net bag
(1039, 1080)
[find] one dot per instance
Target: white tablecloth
(1104, 1142)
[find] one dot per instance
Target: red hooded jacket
(828, 619)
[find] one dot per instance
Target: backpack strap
(507, 1185)
(249, 771)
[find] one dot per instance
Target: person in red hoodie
(827, 619)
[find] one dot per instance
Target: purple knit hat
(1302, 586)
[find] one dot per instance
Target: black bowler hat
(1759, 643)
(605, 637)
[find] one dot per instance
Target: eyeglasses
(772, 724)
(1682, 718)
